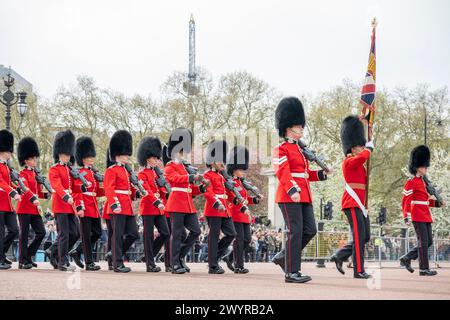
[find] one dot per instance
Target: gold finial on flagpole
(374, 22)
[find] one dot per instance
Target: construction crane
(190, 86)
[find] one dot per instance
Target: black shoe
(122, 269)
(405, 262)
(428, 272)
(51, 259)
(178, 270)
(34, 264)
(362, 275)
(76, 256)
(153, 269)
(338, 263)
(296, 277)
(25, 266)
(4, 266)
(241, 270)
(184, 265)
(229, 263)
(7, 261)
(279, 259)
(67, 267)
(168, 269)
(92, 267)
(216, 270)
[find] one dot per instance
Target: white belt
(67, 191)
(300, 175)
(126, 192)
(92, 194)
(426, 203)
(221, 196)
(187, 190)
(355, 197)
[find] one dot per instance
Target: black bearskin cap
(84, 148)
(64, 144)
(238, 159)
(121, 143)
(6, 141)
(181, 139)
(27, 149)
(216, 152)
(289, 112)
(148, 147)
(352, 134)
(419, 157)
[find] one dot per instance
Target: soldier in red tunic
(180, 205)
(66, 201)
(357, 152)
(217, 210)
(293, 195)
(416, 205)
(120, 195)
(107, 219)
(8, 216)
(28, 209)
(237, 165)
(151, 207)
(90, 222)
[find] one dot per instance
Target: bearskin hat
(289, 112)
(352, 134)
(216, 152)
(419, 157)
(148, 147)
(26, 149)
(109, 162)
(84, 148)
(64, 144)
(238, 159)
(121, 143)
(6, 141)
(180, 140)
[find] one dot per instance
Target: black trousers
(301, 226)
(216, 247)
(241, 243)
(179, 247)
(424, 234)
(125, 232)
(26, 252)
(91, 231)
(68, 235)
(167, 243)
(153, 245)
(8, 220)
(110, 234)
(360, 227)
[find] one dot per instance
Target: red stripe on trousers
(356, 239)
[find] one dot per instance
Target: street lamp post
(10, 98)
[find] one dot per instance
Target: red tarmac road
(265, 281)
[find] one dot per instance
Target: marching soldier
(180, 204)
(357, 152)
(66, 204)
(8, 217)
(416, 203)
(90, 223)
(120, 194)
(28, 209)
(217, 211)
(294, 194)
(151, 207)
(108, 222)
(237, 165)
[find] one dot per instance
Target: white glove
(370, 144)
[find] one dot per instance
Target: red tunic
(63, 186)
(156, 195)
(7, 189)
(118, 190)
(183, 188)
(89, 195)
(293, 173)
(237, 210)
(216, 194)
(416, 200)
(25, 205)
(355, 176)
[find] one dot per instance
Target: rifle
(15, 177)
(161, 181)
(192, 170)
(42, 180)
(250, 187)
(97, 175)
(432, 189)
(76, 174)
(135, 180)
(312, 156)
(231, 185)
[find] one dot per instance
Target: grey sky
(296, 46)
